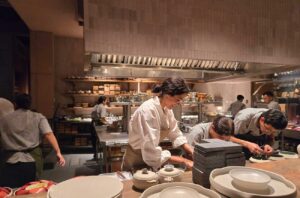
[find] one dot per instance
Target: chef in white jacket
(152, 122)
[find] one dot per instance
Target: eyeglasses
(269, 129)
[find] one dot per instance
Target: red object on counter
(35, 187)
(4, 191)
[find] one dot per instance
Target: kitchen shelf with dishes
(73, 134)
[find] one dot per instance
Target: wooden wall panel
(265, 31)
(42, 72)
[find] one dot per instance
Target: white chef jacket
(198, 132)
(6, 107)
(148, 126)
(235, 107)
(246, 121)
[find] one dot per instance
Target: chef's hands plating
(254, 148)
(268, 150)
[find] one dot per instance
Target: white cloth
(5, 107)
(235, 107)
(148, 126)
(22, 130)
(274, 105)
(246, 121)
(198, 132)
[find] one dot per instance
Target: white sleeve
(44, 125)
(175, 134)
(153, 155)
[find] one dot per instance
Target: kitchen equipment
(249, 178)
(170, 174)
(144, 178)
(172, 190)
(279, 186)
(87, 186)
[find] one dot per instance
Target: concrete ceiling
(56, 16)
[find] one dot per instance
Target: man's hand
(60, 159)
(268, 150)
(254, 148)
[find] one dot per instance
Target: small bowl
(250, 179)
(179, 192)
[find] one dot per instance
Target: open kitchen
(149, 98)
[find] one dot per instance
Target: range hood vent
(98, 59)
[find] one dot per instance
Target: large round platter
(159, 190)
(222, 182)
(87, 186)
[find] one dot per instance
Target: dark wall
(14, 53)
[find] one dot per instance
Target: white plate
(87, 186)
(179, 192)
(155, 191)
(222, 182)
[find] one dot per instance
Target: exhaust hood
(198, 70)
(126, 66)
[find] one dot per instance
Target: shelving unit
(73, 135)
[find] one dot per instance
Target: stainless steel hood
(130, 66)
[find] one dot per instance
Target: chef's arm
(253, 148)
(188, 149)
(52, 140)
(181, 160)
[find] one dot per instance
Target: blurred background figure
(236, 106)
(268, 97)
(21, 133)
(5, 107)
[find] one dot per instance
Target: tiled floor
(76, 165)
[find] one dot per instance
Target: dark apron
(36, 154)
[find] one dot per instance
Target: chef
(221, 128)
(152, 122)
(255, 129)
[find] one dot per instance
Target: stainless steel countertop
(111, 138)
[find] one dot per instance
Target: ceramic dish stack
(178, 190)
(214, 153)
(241, 182)
(88, 186)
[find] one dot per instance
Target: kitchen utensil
(249, 178)
(169, 174)
(144, 178)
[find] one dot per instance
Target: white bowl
(178, 192)
(250, 179)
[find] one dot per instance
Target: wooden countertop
(289, 168)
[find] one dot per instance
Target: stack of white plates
(87, 186)
(178, 190)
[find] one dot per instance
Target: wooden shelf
(95, 95)
(110, 80)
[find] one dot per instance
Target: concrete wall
(264, 31)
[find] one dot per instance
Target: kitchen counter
(289, 168)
